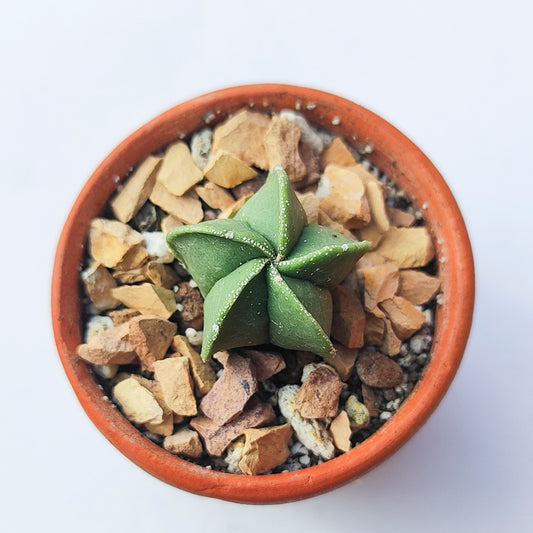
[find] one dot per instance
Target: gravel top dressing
(321, 376)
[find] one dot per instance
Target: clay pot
(389, 150)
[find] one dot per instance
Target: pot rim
(393, 153)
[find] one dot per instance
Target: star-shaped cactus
(266, 274)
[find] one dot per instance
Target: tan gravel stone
(265, 448)
(341, 431)
(417, 287)
(116, 245)
(147, 298)
(343, 197)
(184, 442)
(98, 283)
(136, 190)
(217, 438)
(348, 325)
(391, 343)
(120, 316)
(176, 385)
(370, 259)
(374, 329)
(343, 360)
(407, 247)
(381, 283)
(318, 397)
(186, 208)
(242, 135)
(311, 205)
(400, 218)
(135, 275)
(403, 315)
(266, 364)
(150, 337)
(378, 370)
(202, 373)
(325, 220)
(281, 145)
(227, 170)
(192, 314)
(160, 274)
(214, 196)
(232, 210)
(338, 154)
(169, 222)
(379, 223)
(178, 172)
(137, 402)
(110, 346)
(232, 390)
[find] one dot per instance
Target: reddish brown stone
(348, 325)
(417, 286)
(378, 370)
(343, 360)
(266, 364)
(381, 283)
(192, 313)
(405, 318)
(318, 397)
(109, 347)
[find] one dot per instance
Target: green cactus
(266, 274)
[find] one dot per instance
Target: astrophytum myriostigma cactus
(266, 274)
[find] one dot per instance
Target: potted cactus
(266, 276)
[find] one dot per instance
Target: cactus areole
(265, 274)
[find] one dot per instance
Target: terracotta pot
(393, 153)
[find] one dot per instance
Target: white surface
(455, 77)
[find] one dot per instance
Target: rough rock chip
(227, 170)
(192, 303)
(184, 442)
(232, 390)
(160, 274)
(265, 448)
(407, 247)
(186, 208)
(311, 204)
(202, 373)
(405, 318)
(147, 298)
(242, 135)
(178, 171)
(170, 222)
(98, 283)
(318, 397)
(379, 223)
(348, 325)
(116, 245)
(311, 433)
(343, 197)
(391, 343)
(358, 414)
(137, 402)
(281, 145)
(381, 283)
(378, 370)
(150, 337)
(120, 316)
(110, 346)
(172, 375)
(400, 218)
(343, 360)
(374, 329)
(214, 196)
(217, 438)
(136, 190)
(338, 154)
(266, 364)
(418, 287)
(341, 431)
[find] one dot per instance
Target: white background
(456, 77)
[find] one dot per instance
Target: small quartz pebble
(227, 170)
(338, 154)
(318, 397)
(122, 315)
(116, 245)
(242, 135)
(96, 324)
(178, 171)
(343, 360)
(418, 287)
(231, 392)
(201, 147)
(405, 318)
(137, 402)
(136, 190)
(311, 433)
(214, 196)
(358, 414)
(110, 346)
(343, 197)
(150, 337)
(156, 246)
(281, 144)
(194, 337)
(381, 283)
(176, 384)
(202, 373)
(186, 208)
(266, 364)
(147, 298)
(378, 370)
(234, 455)
(348, 325)
(265, 448)
(184, 442)
(341, 431)
(407, 247)
(98, 284)
(217, 438)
